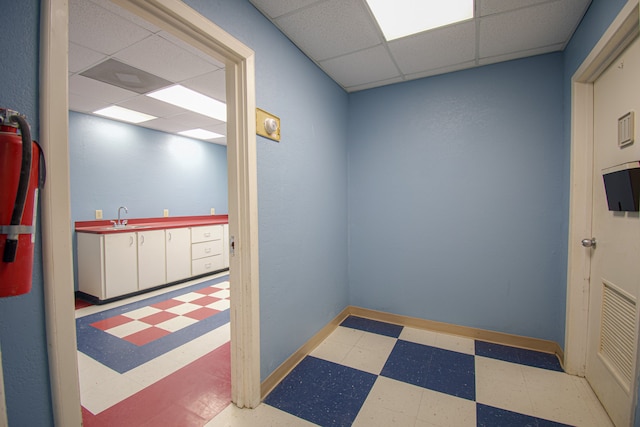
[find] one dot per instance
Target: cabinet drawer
(205, 249)
(207, 265)
(204, 234)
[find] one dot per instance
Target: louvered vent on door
(618, 332)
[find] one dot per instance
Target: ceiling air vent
(125, 76)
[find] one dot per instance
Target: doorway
(612, 326)
(584, 286)
(184, 23)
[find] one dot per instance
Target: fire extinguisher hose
(11, 244)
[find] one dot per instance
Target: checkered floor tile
(125, 337)
(369, 373)
(143, 325)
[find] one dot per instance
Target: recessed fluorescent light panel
(193, 101)
(401, 18)
(200, 134)
(124, 114)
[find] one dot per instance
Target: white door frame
(618, 36)
(183, 22)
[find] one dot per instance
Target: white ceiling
(343, 38)
(99, 30)
(340, 36)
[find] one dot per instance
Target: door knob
(589, 243)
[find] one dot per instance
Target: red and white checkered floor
(146, 324)
(186, 380)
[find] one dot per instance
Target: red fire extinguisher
(21, 177)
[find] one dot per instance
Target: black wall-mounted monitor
(623, 190)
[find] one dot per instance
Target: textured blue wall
(455, 198)
(302, 185)
(22, 329)
(114, 164)
(303, 193)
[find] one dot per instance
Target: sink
(126, 227)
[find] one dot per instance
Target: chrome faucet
(120, 222)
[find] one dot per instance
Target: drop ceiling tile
(521, 54)
(443, 70)
(83, 104)
(221, 129)
(331, 28)
(164, 124)
(159, 56)
(490, 7)
(81, 58)
(117, 10)
(93, 89)
(433, 49)
(101, 30)
(190, 120)
(211, 84)
(530, 28)
(365, 66)
(374, 84)
(146, 104)
(180, 123)
(178, 42)
(276, 8)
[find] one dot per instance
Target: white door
(615, 264)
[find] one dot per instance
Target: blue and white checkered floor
(369, 373)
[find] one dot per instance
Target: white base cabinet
(117, 264)
(107, 264)
(206, 249)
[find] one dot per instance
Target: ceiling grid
(341, 36)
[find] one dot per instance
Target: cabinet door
(91, 265)
(151, 259)
(178, 249)
(225, 245)
(120, 261)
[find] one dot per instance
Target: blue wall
(455, 198)
(114, 164)
(302, 185)
(303, 192)
(22, 328)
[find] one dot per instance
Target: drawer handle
(207, 265)
(207, 234)
(207, 250)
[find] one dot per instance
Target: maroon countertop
(145, 224)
